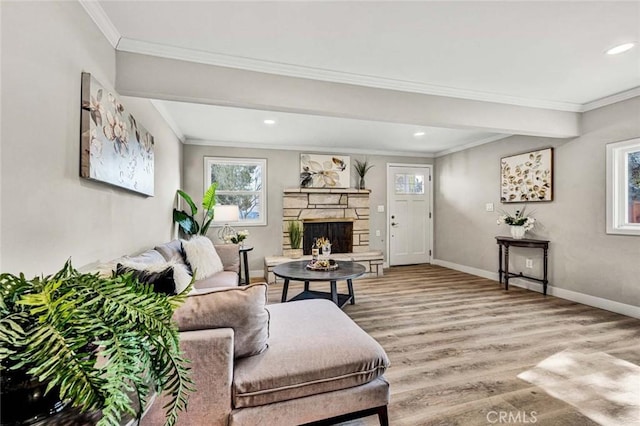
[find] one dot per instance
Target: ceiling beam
(170, 79)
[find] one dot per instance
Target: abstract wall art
(114, 147)
(527, 177)
(324, 171)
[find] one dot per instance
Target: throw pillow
(202, 256)
(162, 281)
(181, 276)
(240, 308)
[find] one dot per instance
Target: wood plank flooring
(457, 342)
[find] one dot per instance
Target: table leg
(500, 263)
(306, 286)
(506, 268)
(285, 289)
(546, 281)
(334, 292)
(353, 296)
(247, 280)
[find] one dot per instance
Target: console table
(507, 242)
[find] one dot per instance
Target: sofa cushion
(171, 250)
(230, 256)
(149, 257)
(240, 308)
(202, 257)
(222, 279)
(307, 356)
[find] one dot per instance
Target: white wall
(283, 170)
(583, 258)
(48, 213)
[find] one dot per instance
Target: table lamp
(225, 214)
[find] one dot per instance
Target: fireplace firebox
(338, 231)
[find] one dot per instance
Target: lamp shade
(226, 214)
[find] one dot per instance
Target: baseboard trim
(468, 269)
(585, 299)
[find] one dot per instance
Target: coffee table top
(298, 271)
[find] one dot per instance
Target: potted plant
(295, 239)
(103, 344)
(362, 167)
(518, 223)
(187, 221)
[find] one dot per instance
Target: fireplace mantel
(326, 191)
(343, 219)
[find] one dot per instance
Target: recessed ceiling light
(269, 122)
(418, 134)
(621, 48)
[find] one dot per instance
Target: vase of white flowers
(239, 237)
(518, 223)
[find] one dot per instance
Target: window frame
(617, 182)
(262, 194)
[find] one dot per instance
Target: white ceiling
(544, 54)
(246, 127)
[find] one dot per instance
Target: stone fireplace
(342, 213)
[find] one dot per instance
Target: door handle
(394, 224)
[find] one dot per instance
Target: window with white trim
(623, 187)
(241, 182)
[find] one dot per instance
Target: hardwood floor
(457, 343)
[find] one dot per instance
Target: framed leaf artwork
(324, 171)
(527, 177)
(114, 147)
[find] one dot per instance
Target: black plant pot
(24, 401)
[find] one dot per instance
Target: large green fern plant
(55, 328)
(187, 221)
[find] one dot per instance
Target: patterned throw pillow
(162, 281)
(181, 277)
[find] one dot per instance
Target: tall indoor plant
(187, 221)
(102, 343)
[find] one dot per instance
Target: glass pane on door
(407, 183)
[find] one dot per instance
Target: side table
(507, 242)
(244, 265)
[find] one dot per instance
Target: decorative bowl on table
(323, 265)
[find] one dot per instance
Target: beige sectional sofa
(282, 364)
(257, 364)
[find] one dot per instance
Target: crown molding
(100, 17)
(106, 26)
(479, 142)
(249, 64)
(168, 118)
(303, 148)
(608, 100)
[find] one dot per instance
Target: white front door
(409, 213)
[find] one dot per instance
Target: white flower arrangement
(518, 219)
(239, 237)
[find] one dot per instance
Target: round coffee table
(298, 271)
